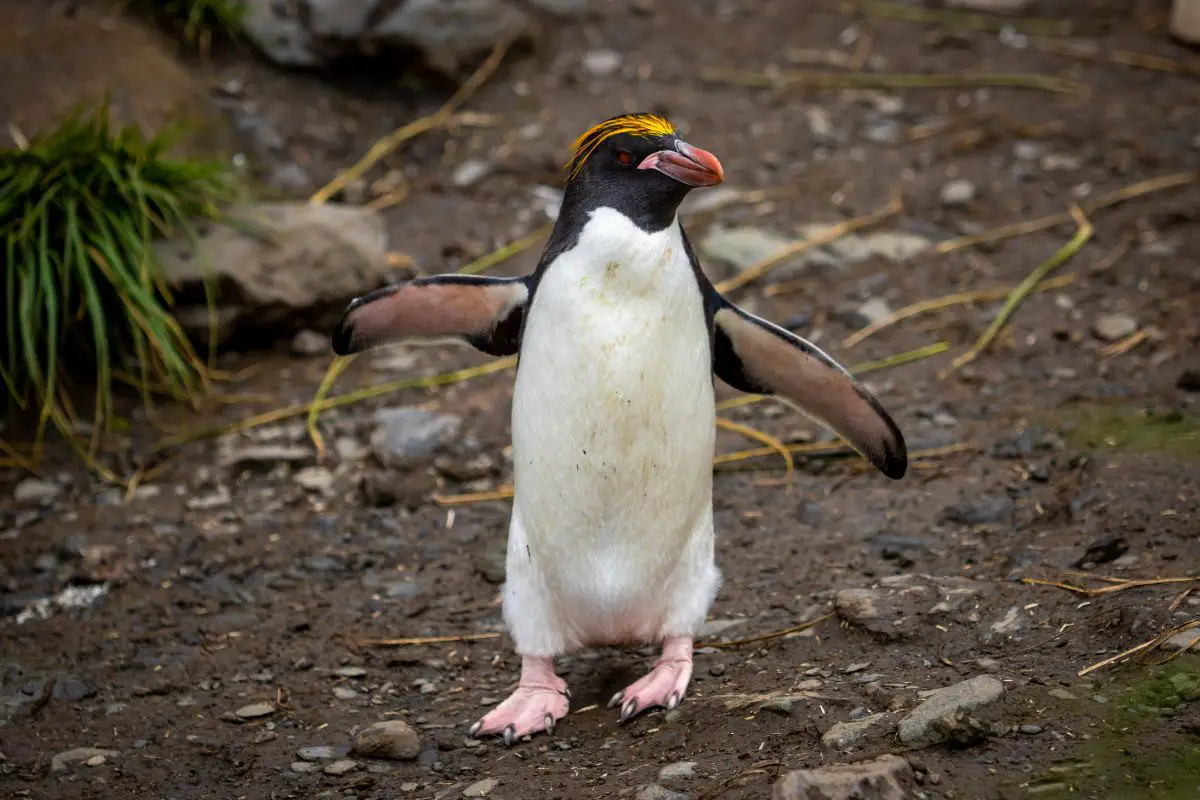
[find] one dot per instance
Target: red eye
(624, 158)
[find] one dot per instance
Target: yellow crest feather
(638, 124)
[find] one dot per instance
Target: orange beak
(686, 164)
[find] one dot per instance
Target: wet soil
(228, 586)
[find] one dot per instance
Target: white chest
(613, 403)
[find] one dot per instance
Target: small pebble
(305, 766)
(481, 788)
(1031, 730)
(344, 693)
(96, 761)
(255, 710)
(959, 192)
(601, 63)
(341, 767)
(350, 672)
(716, 670)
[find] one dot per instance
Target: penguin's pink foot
(664, 686)
(541, 699)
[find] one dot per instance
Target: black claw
(616, 700)
(628, 711)
(510, 735)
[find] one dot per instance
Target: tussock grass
(195, 19)
(82, 301)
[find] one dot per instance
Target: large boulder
(56, 63)
(278, 268)
(446, 32)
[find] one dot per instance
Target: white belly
(611, 537)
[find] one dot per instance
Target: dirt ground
(217, 587)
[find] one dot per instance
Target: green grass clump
(196, 18)
(82, 295)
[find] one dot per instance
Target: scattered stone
(283, 267)
(874, 311)
(820, 122)
(350, 449)
(680, 770)
(957, 193)
(490, 560)
(344, 693)
(979, 510)
(255, 710)
(867, 609)
(1030, 729)
(844, 734)
(1011, 623)
(470, 173)
(446, 35)
(885, 778)
(34, 491)
(652, 791)
(340, 767)
(1113, 327)
(96, 761)
(322, 752)
(1184, 640)
(350, 671)
(305, 766)
(391, 739)
(601, 63)
(310, 343)
(481, 788)
(314, 479)
(80, 755)
(1102, 550)
(952, 702)
(780, 705)
(743, 247)
(1061, 162)
(408, 436)
(1061, 694)
(71, 689)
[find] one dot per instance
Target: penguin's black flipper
(752, 355)
(487, 312)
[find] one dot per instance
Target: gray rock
(820, 122)
(322, 753)
(310, 343)
(407, 437)
(344, 693)
(1113, 327)
(872, 611)
(743, 247)
(875, 310)
(1184, 640)
(304, 766)
(979, 510)
(445, 32)
(1061, 162)
(652, 791)
(481, 788)
(883, 778)
(1011, 623)
(340, 767)
(680, 770)
(350, 671)
(391, 739)
(314, 479)
(281, 268)
(268, 454)
(35, 491)
(953, 702)
(470, 173)
(1030, 729)
(957, 193)
(601, 63)
(79, 755)
(844, 734)
(491, 560)
(255, 710)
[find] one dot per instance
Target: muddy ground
(219, 586)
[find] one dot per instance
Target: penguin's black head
(638, 165)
